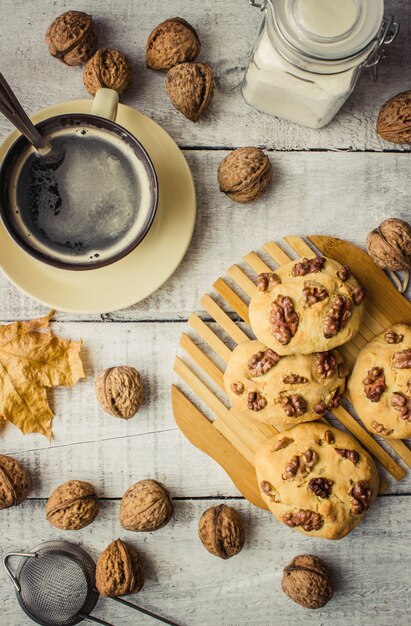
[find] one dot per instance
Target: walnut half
(361, 497)
(262, 362)
(308, 266)
(402, 403)
(308, 520)
(374, 384)
(284, 319)
(337, 316)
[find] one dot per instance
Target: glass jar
(309, 54)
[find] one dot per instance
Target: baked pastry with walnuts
(284, 390)
(316, 479)
(380, 384)
(308, 305)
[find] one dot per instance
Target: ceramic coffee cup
(88, 204)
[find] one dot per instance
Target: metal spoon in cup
(12, 109)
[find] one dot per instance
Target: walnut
(307, 461)
(255, 401)
(267, 281)
(284, 320)
(300, 465)
(107, 68)
(308, 520)
(401, 403)
(190, 87)
(344, 273)
(170, 43)
(237, 388)
(381, 429)
(394, 119)
(221, 531)
(351, 455)
(146, 506)
(293, 405)
(358, 295)
(270, 491)
(282, 443)
(321, 486)
(73, 505)
(308, 266)
(313, 294)
(321, 407)
(295, 379)
(336, 399)
(14, 482)
(119, 570)
(291, 469)
(392, 337)
(374, 384)
(262, 362)
(71, 38)
(402, 360)
(306, 581)
(342, 370)
(326, 364)
(389, 245)
(329, 437)
(361, 497)
(119, 391)
(337, 316)
(244, 175)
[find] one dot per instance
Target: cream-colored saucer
(141, 272)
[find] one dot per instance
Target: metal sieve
(55, 585)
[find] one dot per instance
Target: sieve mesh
(57, 585)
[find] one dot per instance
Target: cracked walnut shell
(146, 506)
(190, 87)
(14, 482)
(244, 174)
(394, 119)
(119, 570)
(72, 505)
(172, 42)
(71, 38)
(119, 391)
(108, 68)
(306, 581)
(221, 531)
(389, 245)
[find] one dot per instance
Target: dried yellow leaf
(30, 361)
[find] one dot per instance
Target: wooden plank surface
(227, 31)
(341, 181)
(315, 193)
(189, 585)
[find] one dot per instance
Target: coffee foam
(90, 207)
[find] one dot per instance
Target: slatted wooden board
(233, 437)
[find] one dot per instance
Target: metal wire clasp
(389, 33)
(258, 5)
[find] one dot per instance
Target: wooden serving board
(228, 435)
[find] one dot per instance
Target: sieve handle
(10, 574)
(149, 613)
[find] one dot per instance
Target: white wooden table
(342, 181)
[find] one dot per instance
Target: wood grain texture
(342, 194)
(324, 186)
(227, 31)
(191, 586)
(113, 453)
